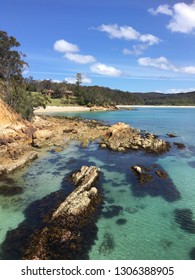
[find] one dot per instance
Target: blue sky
(132, 45)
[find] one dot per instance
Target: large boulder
(121, 136)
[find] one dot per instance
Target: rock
(142, 176)
(103, 108)
(42, 137)
(121, 136)
(66, 233)
(171, 135)
(161, 174)
(179, 145)
(11, 165)
(103, 145)
(137, 169)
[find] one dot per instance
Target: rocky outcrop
(15, 140)
(153, 180)
(121, 137)
(171, 135)
(103, 108)
(11, 165)
(68, 229)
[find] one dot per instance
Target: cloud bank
(103, 69)
(182, 16)
(164, 64)
(71, 52)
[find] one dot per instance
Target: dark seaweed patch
(56, 173)
(107, 245)
(155, 186)
(110, 200)
(166, 244)
(192, 163)
(192, 254)
(131, 210)
(121, 222)
(10, 190)
(111, 211)
(183, 217)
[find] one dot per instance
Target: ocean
(155, 220)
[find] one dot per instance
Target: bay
(154, 221)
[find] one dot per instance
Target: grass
(58, 101)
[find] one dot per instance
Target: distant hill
(106, 96)
(102, 96)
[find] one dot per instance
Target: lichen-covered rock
(11, 165)
(120, 137)
(67, 232)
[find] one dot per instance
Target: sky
(131, 45)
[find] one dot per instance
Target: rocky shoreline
(20, 144)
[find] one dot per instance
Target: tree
(12, 84)
(78, 90)
(11, 65)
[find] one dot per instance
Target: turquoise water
(151, 221)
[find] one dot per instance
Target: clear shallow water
(136, 222)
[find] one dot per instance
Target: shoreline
(53, 109)
(61, 109)
(154, 106)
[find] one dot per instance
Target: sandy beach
(51, 109)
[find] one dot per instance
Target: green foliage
(11, 65)
(12, 86)
(25, 102)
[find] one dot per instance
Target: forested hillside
(102, 96)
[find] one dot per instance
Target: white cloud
(119, 32)
(103, 69)
(25, 71)
(85, 80)
(57, 81)
(162, 9)
(70, 80)
(78, 58)
(160, 63)
(128, 33)
(183, 19)
(164, 64)
(137, 50)
(177, 90)
(188, 69)
(65, 47)
(149, 39)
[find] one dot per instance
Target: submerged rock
(179, 145)
(161, 174)
(184, 217)
(171, 135)
(68, 230)
(153, 181)
(120, 137)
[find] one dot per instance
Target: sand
(51, 109)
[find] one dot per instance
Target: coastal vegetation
(12, 85)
